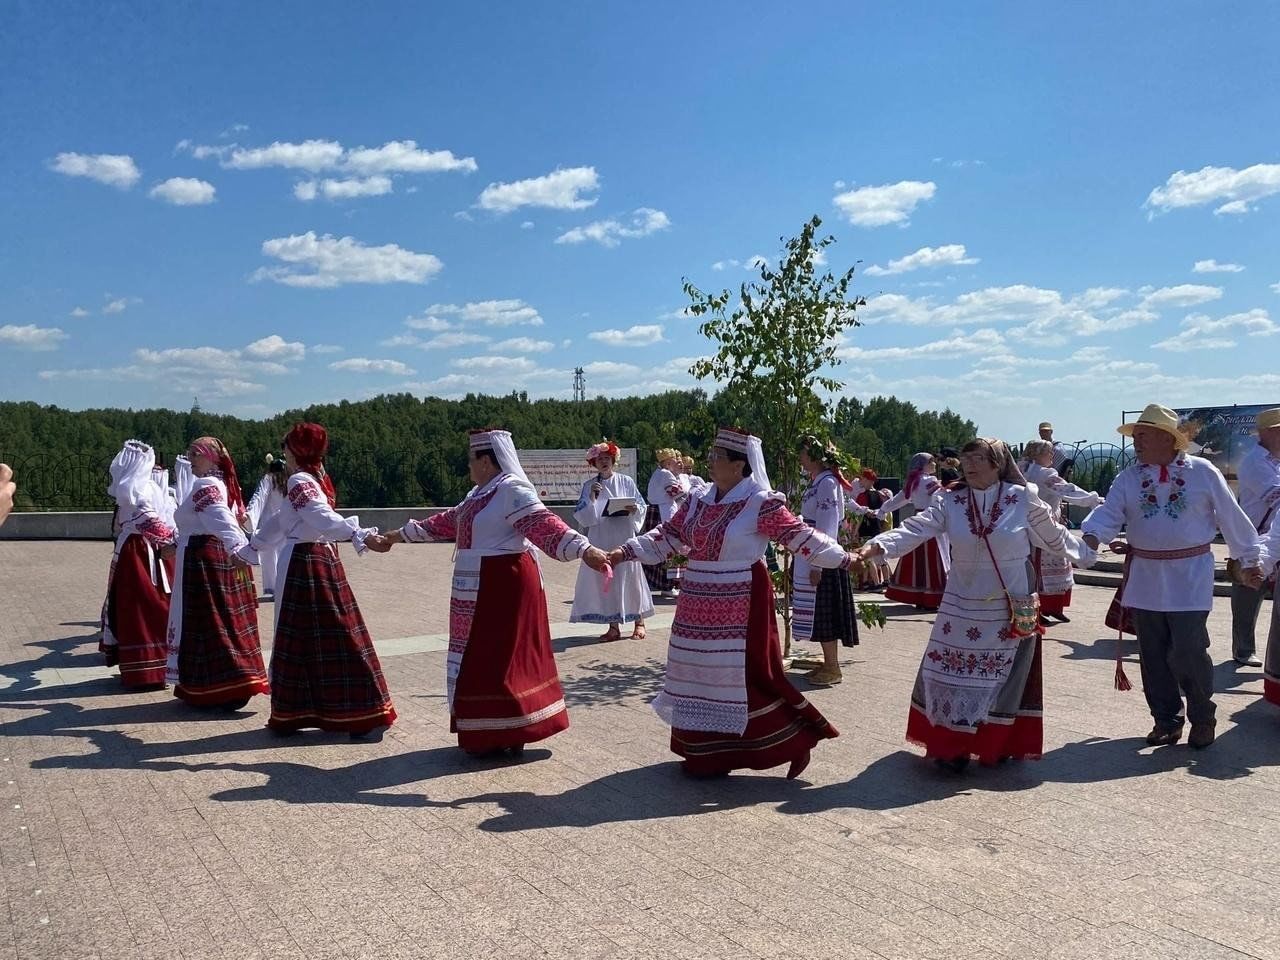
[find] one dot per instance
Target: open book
(617, 506)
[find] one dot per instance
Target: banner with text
(1222, 435)
(559, 475)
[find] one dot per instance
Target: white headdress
(131, 483)
(755, 458)
(504, 450)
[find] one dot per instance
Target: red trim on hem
(223, 693)
(990, 742)
(334, 724)
(1271, 691)
(482, 741)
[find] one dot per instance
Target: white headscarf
(504, 451)
(183, 479)
(131, 483)
(755, 460)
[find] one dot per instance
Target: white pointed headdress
(504, 450)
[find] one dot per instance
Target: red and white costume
(726, 695)
(1054, 578)
(921, 575)
(502, 684)
(978, 690)
(135, 613)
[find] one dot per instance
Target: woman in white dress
(921, 576)
(1054, 579)
(626, 598)
(978, 692)
(665, 494)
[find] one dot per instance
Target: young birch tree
(776, 340)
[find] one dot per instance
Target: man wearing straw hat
(1060, 458)
(1173, 505)
(1259, 492)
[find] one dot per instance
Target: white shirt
(664, 492)
(1259, 486)
(1052, 489)
(1185, 509)
(206, 512)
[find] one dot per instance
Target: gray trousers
(1174, 651)
(1245, 603)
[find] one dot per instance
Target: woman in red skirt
(215, 657)
(503, 687)
(136, 612)
(726, 694)
(920, 578)
(324, 670)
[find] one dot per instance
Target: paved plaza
(134, 827)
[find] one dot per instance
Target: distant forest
(399, 450)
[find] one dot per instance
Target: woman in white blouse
(978, 689)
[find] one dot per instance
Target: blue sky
(1058, 214)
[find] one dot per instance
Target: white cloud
(608, 368)
(30, 337)
(527, 225)
(756, 261)
(495, 364)
(1275, 288)
(610, 233)
(453, 339)
(1213, 266)
(183, 192)
(1238, 188)
(204, 361)
(1201, 332)
(118, 304)
(275, 347)
(491, 313)
(984, 341)
(328, 261)
(883, 205)
(365, 365)
(313, 155)
(560, 190)
(230, 387)
(523, 345)
(449, 385)
(326, 348)
(375, 186)
(79, 312)
(401, 340)
(949, 255)
(428, 323)
(115, 170)
(403, 156)
(640, 335)
(1182, 295)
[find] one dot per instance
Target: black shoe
(1249, 660)
(1061, 617)
(955, 764)
(1164, 736)
(1202, 734)
(368, 736)
(233, 706)
(517, 750)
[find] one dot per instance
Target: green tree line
(399, 450)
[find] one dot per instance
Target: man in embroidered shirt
(1173, 505)
(1259, 492)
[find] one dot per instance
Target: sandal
(639, 633)
(610, 635)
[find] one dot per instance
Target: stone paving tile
(131, 827)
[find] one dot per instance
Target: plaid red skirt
(219, 655)
(324, 670)
(137, 613)
(508, 690)
(782, 725)
(919, 578)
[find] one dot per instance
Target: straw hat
(1046, 425)
(1161, 418)
(1268, 419)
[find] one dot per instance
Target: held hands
(616, 557)
(597, 559)
(382, 542)
(1253, 577)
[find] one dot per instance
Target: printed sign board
(1222, 435)
(559, 475)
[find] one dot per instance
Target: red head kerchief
(310, 444)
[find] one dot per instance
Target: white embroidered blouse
(1179, 507)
